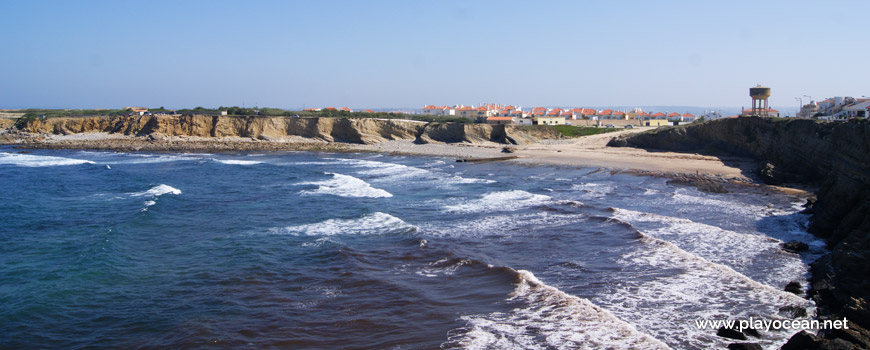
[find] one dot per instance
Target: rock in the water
(795, 246)
(794, 287)
(744, 346)
(803, 341)
(730, 333)
(752, 332)
(793, 311)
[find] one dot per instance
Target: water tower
(760, 94)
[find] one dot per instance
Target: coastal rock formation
(836, 157)
(359, 131)
(6, 123)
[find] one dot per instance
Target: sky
(406, 54)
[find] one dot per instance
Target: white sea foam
(682, 197)
(32, 160)
(665, 289)
(150, 203)
(594, 190)
(499, 225)
(237, 161)
(373, 224)
(390, 172)
(155, 158)
(499, 201)
(346, 186)
(740, 251)
(157, 191)
(549, 319)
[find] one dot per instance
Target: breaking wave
(157, 191)
(32, 160)
(346, 186)
(548, 319)
(373, 224)
(499, 201)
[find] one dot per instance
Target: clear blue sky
(83, 54)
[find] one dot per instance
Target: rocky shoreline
(833, 156)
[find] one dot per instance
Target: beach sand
(586, 151)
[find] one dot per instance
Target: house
(688, 117)
(329, 109)
(658, 115)
(856, 110)
(369, 111)
(656, 122)
(549, 120)
(137, 110)
(496, 120)
(346, 109)
(311, 110)
(431, 110)
(642, 115)
(539, 111)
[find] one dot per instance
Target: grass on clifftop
(577, 131)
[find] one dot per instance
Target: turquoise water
(318, 250)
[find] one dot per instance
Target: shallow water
(317, 250)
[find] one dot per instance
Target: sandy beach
(586, 151)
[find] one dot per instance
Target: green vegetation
(58, 113)
(577, 131)
(24, 119)
(31, 114)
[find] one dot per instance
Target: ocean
(301, 250)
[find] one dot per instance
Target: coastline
(705, 172)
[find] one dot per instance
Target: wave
(346, 186)
(664, 289)
(373, 224)
(499, 201)
(237, 161)
(32, 160)
(742, 251)
(548, 319)
(385, 171)
(681, 197)
(157, 191)
(595, 190)
(501, 225)
(158, 158)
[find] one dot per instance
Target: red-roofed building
(329, 109)
(346, 109)
(369, 111)
(554, 112)
(539, 111)
(435, 110)
(499, 120)
(658, 115)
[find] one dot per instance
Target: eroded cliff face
(835, 156)
(362, 131)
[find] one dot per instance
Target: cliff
(360, 131)
(834, 156)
